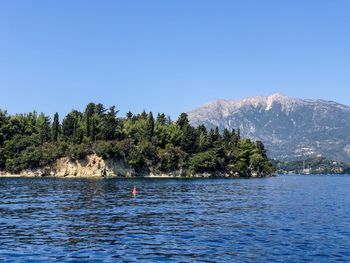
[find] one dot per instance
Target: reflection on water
(282, 219)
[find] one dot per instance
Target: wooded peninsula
(143, 143)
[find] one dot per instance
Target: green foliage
(135, 158)
(144, 143)
(108, 125)
(171, 158)
(78, 151)
(44, 126)
(72, 127)
(107, 149)
(208, 161)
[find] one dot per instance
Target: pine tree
(109, 125)
(203, 142)
(182, 121)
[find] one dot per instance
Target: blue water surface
(280, 219)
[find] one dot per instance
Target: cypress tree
(43, 124)
(150, 126)
(55, 129)
(92, 129)
(88, 114)
(129, 115)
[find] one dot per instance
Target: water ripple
(282, 219)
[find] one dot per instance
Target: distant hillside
(312, 165)
(289, 127)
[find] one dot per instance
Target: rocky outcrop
(92, 166)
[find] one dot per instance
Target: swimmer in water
(134, 191)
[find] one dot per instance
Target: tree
(44, 126)
(202, 129)
(203, 142)
(143, 115)
(91, 109)
(72, 127)
(92, 129)
(260, 148)
(211, 138)
(55, 128)
(182, 121)
(235, 137)
(226, 135)
(129, 115)
(150, 126)
(161, 119)
(88, 115)
(173, 135)
(109, 125)
(100, 109)
(189, 139)
(217, 135)
(3, 124)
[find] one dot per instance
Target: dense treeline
(312, 165)
(142, 141)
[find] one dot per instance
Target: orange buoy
(134, 191)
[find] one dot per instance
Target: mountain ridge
(290, 127)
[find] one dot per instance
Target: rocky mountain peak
(290, 127)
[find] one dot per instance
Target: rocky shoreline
(93, 166)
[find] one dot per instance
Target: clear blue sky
(170, 56)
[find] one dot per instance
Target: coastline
(94, 166)
(164, 176)
(171, 175)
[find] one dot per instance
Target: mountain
(289, 127)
